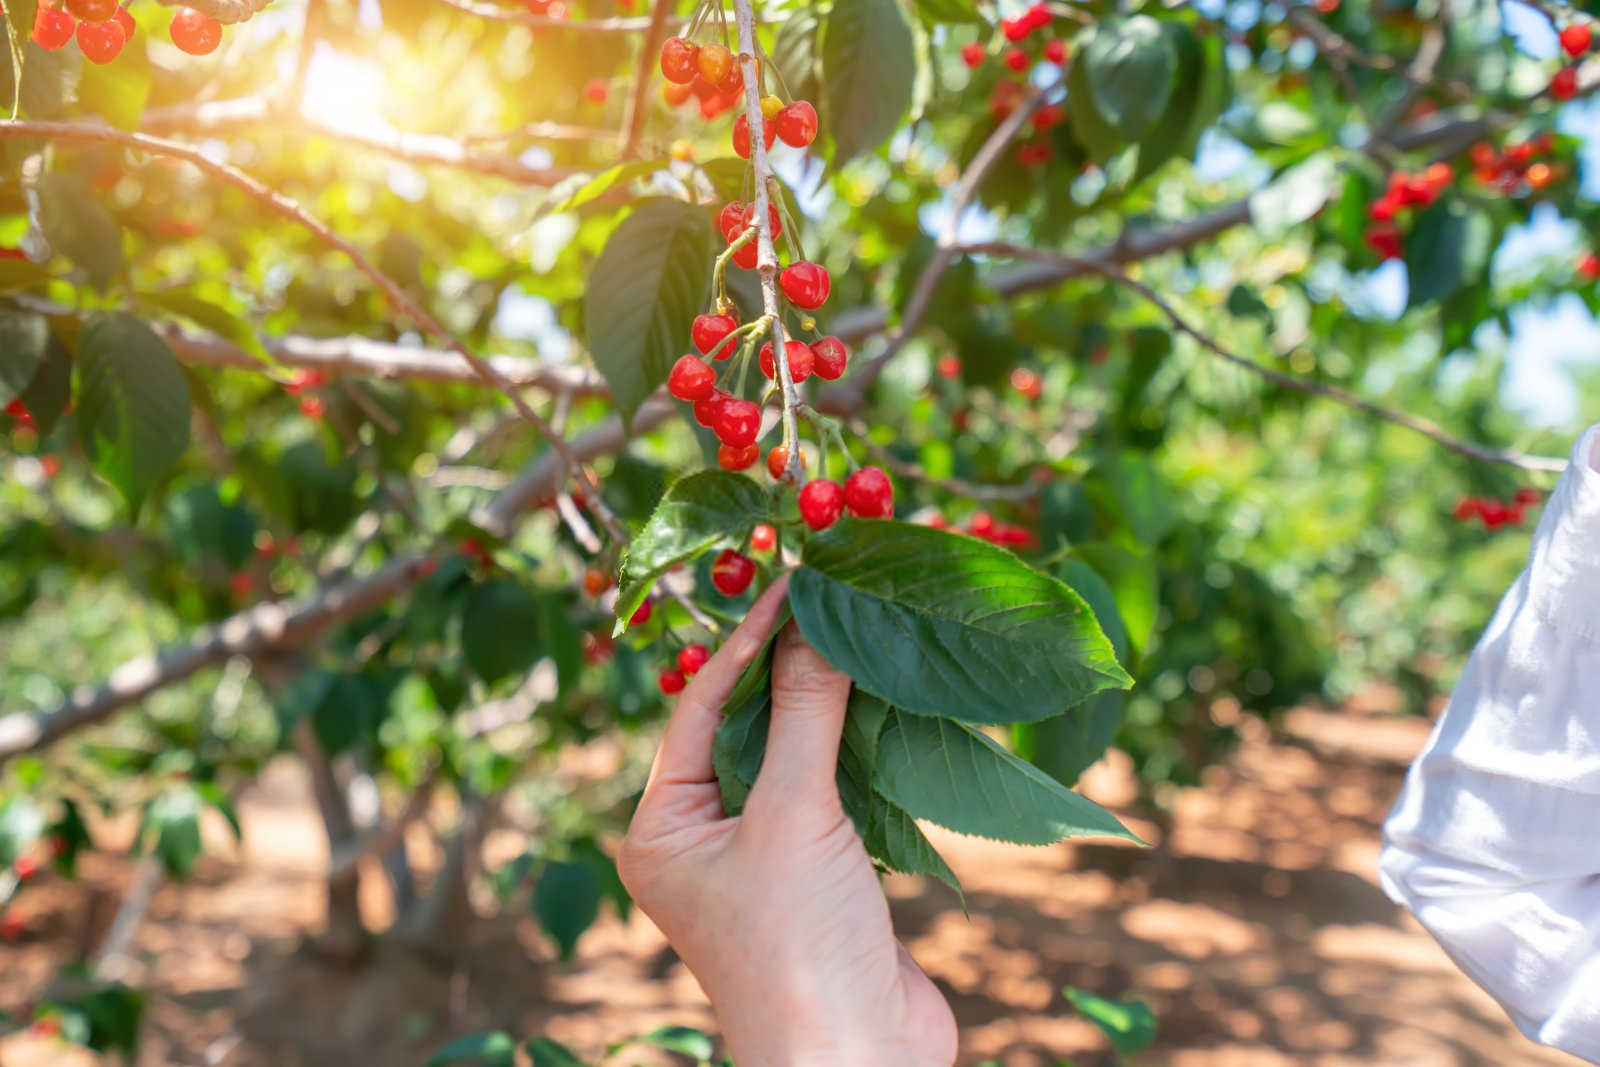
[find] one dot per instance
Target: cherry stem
(720, 269)
(767, 256)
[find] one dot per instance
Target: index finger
(685, 754)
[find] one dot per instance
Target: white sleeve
(1494, 843)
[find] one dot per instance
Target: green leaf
(494, 1049)
(1130, 1025)
(603, 183)
(647, 285)
(546, 1053)
(79, 227)
(500, 629)
(174, 819)
(941, 624)
(1065, 746)
(564, 640)
(204, 529)
(316, 496)
(351, 709)
(869, 68)
(935, 12)
(1175, 133)
(795, 54)
(567, 902)
(117, 92)
(706, 510)
(1448, 246)
(1294, 196)
(24, 341)
(213, 317)
(18, 274)
(21, 823)
(49, 80)
(133, 403)
(19, 16)
(1129, 486)
(587, 851)
(1128, 65)
(951, 774)
(684, 1040)
(1135, 585)
(48, 394)
(69, 838)
(213, 796)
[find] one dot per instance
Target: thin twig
(1426, 427)
(508, 14)
(955, 486)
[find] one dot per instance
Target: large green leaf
(795, 54)
(566, 901)
(648, 284)
(1448, 247)
(214, 317)
(24, 342)
(19, 16)
(1128, 65)
(133, 403)
(1065, 746)
(1135, 585)
(952, 774)
(547, 1053)
(49, 79)
(706, 510)
(602, 183)
(941, 624)
(1130, 1025)
(1130, 487)
(869, 68)
(79, 227)
(500, 629)
(47, 395)
(315, 494)
(934, 12)
(203, 528)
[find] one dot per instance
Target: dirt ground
(1256, 930)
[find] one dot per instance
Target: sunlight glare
(344, 92)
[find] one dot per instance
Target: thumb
(808, 710)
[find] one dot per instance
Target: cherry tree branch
(1426, 427)
(227, 12)
(499, 13)
(422, 149)
(638, 101)
(766, 255)
(380, 359)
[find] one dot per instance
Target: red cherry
(596, 649)
(1038, 16)
(981, 524)
(11, 929)
(730, 221)
(101, 42)
(801, 360)
(641, 615)
(692, 658)
(125, 20)
(1589, 266)
(691, 379)
(1027, 383)
(1528, 496)
(949, 366)
(1384, 239)
(53, 28)
(25, 867)
(671, 681)
(869, 494)
(832, 357)
(713, 62)
(312, 407)
(678, 60)
(596, 581)
(675, 94)
(1575, 39)
(778, 461)
(706, 91)
(1055, 50)
(709, 331)
(972, 55)
(731, 85)
(741, 136)
(805, 284)
(92, 10)
(1382, 209)
(193, 32)
(731, 458)
(797, 124)
(705, 411)
(821, 503)
(746, 256)
(1015, 29)
(763, 538)
(732, 573)
(1564, 84)
(1016, 59)
(596, 91)
(738, 423)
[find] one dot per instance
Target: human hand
(778, 911)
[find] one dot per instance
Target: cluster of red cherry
(1497, 513)
(301, 385)
(104, 28)
(986, 527)
(1007, 94)
(1575, 41)
(1404, 191)
(1518, 166)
